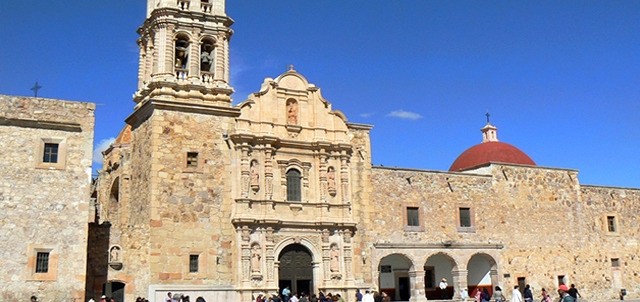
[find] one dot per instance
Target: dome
(488, 152)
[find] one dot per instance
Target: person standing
(358, 296)
(563, 291)
(528, 294)
(516, 296)
(286, 292)
(497, 294)
(545, 296)
(443, 288)
(573, 292)
(368, 297)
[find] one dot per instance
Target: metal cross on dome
(488, 115)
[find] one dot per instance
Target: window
(50, 154)
(465, 217)
(413, 216)
(193, 263)
(192, 159)
(293, 185)
(615, 262)
(42, 262)
(611, 223)
(182, 54)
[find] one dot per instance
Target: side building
(45, 181)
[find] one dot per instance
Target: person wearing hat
(34, 299)
(443, 288)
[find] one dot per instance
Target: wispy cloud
(406, 115)
(101, 146)
(367, 114)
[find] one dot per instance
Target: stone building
(201, 197)
(45, 181)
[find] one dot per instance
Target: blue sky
(560, 78)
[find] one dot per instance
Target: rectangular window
(50, 154)
(42, 262)
(615, 262)
(611, 223)
(413, 216)
(192, 159)
(465, 217)
(193, 263)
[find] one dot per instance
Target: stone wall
(44, 207)
(536, 223)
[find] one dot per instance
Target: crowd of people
(565, 294)
(287, 296)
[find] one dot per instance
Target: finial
(35, 89)
(488, 115)
(291, 67)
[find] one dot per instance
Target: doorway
(296, 269)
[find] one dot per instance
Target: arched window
(182, 56)
(207, 60)
(293, 185)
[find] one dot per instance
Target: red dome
(497, 152)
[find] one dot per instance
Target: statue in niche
(255, 258)
(334, 264)
(331, 179)
(292, 112)
(114, 254)
(255, 175)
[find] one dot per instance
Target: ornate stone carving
(256, 256)
(246, 233)
(255, 176)
(334, 262)
(292, 112)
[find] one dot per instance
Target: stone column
(244, 171)
(268, 172)
(323, 176)
(194, 56)
(142, 62)
(459, 282)
(416, 279)
(348, 257)
(305, 181)
(344, 177)
(270, 258)
(493, 274)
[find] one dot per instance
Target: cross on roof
(35, 89)
(488, 115)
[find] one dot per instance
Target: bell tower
(184, 53)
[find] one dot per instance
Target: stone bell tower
(184, 53)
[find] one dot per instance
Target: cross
(291, 67)
(488, 115)
(35, 88)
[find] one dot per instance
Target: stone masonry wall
(44, 209)
(546, 224)
(191, 207)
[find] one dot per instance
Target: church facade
(201, 197)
